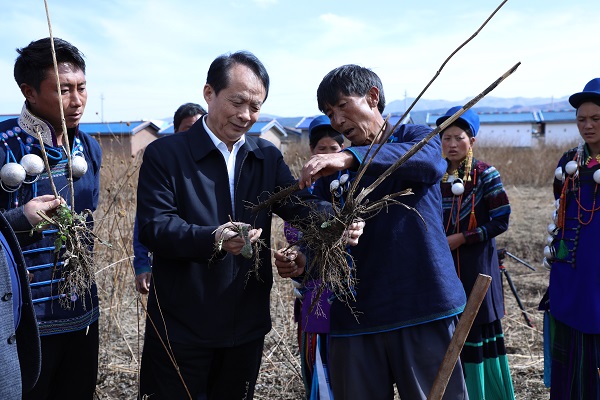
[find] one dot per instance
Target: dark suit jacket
(26, 341)
(183, 196)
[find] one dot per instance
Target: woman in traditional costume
(476, 210)
(572, 325)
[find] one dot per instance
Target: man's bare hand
(142, 282)
(354, 232)
(46, 203)
(325, 164)
(228, 239)
(290, 263)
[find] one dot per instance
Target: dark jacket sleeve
(161, 229)
(497, 205)
(21, 226)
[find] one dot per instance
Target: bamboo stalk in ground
(460, 335)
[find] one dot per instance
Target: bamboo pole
(460, 335)
(65, 135)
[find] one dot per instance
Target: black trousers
(206, 373)
(69, 366)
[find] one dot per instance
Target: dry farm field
(527, 176)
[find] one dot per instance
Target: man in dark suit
(20, 353)
(207, 317)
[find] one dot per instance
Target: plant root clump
(78, 271)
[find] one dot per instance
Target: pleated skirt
(574, 369)
(485, 363)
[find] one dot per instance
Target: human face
(73, 94)
(588, 123)
(357, 117)
(326, 145)
(236, 108)
(187, 122)
(456, 144)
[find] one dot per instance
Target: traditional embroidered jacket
(485, 200)
(575, 275)
(19, 137)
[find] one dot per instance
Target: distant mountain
(487, 104)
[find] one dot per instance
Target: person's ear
(373, 97)
(28, 92)
(208, 93)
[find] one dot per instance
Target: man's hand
(290, 263)
(325, 164)
(46, 203)
(354, 231)
(228, 239)
(142, 282)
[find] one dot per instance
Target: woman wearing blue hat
(573, 321)
(312, 319)
(476, 210)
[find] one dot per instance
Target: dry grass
(527, 175)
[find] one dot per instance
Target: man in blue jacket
(207, 317)
(408, 295)
(67, 320)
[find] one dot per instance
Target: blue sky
(145, 58)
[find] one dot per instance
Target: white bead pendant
(79, 166)
(571, 167)
(596, 176)
(457, 187)
(12, 176)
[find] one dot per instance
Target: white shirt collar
(218, 142)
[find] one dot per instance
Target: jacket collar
(201, 145)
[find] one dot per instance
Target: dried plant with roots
(78, 270)
(250, 250)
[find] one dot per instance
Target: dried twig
(444, 64)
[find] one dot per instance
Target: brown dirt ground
(122, 317)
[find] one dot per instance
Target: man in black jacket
(206, 315)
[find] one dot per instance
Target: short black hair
(34, 60)
(184, 111)
(348, 80)
(324, 131)
(218, 72)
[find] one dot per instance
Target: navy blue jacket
(404, 267)
(183, 196)
(39, 256)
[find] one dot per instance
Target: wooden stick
(65, 135)
(460, 335)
